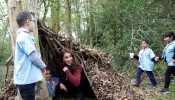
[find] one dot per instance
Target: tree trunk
(91, 24)
(14, 6)
(68, 8)
(55, 9)
(78, 20)
(46, 7)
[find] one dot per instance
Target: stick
(58, 43)
(7, 63)
(6, 73)
(8, 60)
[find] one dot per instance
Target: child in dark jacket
(146, 58)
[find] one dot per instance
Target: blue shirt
(25, 72)
(145, 56)
(168, 53)
(51, 87)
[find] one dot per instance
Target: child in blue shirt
(28, 66)
(146, 58)
(52, 82)
(169, 56)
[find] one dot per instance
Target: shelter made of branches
(104, 79)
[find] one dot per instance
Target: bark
(91, 24)
(14, 6)
(46, 7)
(68, 8)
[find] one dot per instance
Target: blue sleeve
(36, 60)
(26, 45)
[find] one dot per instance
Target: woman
(71, 75)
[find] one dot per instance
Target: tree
(91, 25)
(68, 9)
(14, 6)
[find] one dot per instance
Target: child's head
(145, 43)
(48, 75)
(25, 20)
(168, 37)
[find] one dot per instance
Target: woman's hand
(63, 87)
(65, 68)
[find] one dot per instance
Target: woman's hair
(22, 17)
(75, 62)
(146, 40)
(169, 34)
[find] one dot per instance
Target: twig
(41, 29)
(82, 62)
(7, 63)
(94, 57)
(6, 73)
(40, 22)
(48, 41)
(58, 43)
(8, 60)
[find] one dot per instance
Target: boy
(27, 65)
(146, 58)
(52, 82)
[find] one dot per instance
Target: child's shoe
(164, 90)
(136, 85)
(153, 87)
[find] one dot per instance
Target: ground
(150, 94)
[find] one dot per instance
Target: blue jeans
(150, 75)
(27, 91)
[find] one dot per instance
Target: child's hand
(43, 71)
(53, 83)
(63, 87)
(131, 55)
(173, 60)
(156, 58)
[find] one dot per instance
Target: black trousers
(75, 92)
(150, 75)
(27, 91)
(170, 70)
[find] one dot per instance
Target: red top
(74, 76)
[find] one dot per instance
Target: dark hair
(22, 17)
(47, 69)
(169, 34)
(146, 40)
(75, 62)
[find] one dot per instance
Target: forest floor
(144, 89)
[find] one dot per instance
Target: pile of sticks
(104, 79)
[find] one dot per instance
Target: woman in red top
(71, 75)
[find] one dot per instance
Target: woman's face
(68, 59)
(168, 39)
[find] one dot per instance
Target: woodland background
(114, 26)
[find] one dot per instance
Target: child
(52, 82)
(168, 55)
(27, 64)
(146, 58)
